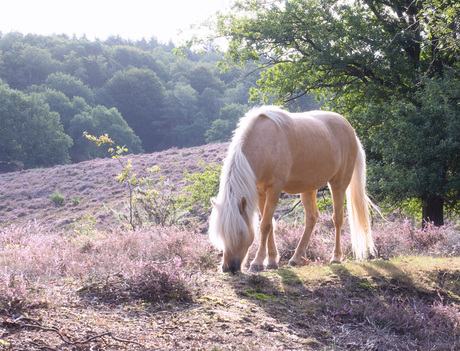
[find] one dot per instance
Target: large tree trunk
(433, 210)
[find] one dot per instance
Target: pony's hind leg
(338, 197)
(311, 216)
(267, 205)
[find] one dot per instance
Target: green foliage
(165, 101)
(75, 201)
(138, 94)
(409, 209)
(57, 199)
(201, 77)
(150, 201)
(66, 107)
(69, 85)
(99, 121)
(203, 187)
(29, 131)
(26, 65)
(414, 144)
(4, 343)
(391, 67)
(161, 100)
(324, 203)
(442, 18)
(221, 129)
(155, 201)
(86, 226)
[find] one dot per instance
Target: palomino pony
(274, 151)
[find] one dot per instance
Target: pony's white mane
(237, 180)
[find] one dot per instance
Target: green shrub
(75, 201)
(149, 201)
(205, 185)
(155, 201)
(57, 199)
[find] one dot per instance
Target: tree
(180, 111)
(95, 70)
(66, 108)
(29, 131)
(168, 101)
(100, 121)
(221, 129)
(26, 65)
(209, 103)
(70, 86)
(129, 57)
(111, 122)
(138, 94)
(415, 147)
(201, 77)
(361, 55)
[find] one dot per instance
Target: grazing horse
(274, 151)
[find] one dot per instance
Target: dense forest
(390, 67)
(54, 88)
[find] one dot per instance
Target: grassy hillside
(73, 278)
(24, 196)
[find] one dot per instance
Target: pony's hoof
(336, 261)
(303, 261)
(272, 266)
(256, 268)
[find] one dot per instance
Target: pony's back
(274, 113)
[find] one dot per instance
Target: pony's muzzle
(233, 267)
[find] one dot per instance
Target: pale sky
(131, 19)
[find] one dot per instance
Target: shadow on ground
(370, 306)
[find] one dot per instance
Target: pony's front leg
(311, 216)
(266, 230)
(267, 206)
(272, 250)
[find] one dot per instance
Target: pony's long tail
(358, 204)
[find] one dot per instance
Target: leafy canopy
(29, 131)
(366, 49)
(391, 67)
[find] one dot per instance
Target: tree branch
(66, 339)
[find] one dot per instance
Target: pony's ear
(242, 205)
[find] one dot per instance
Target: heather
(155, 263)
(391, 238)
(82, 269)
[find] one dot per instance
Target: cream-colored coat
(274, 151)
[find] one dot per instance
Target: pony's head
(231, 229)
(234, 215)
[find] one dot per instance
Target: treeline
(54, 88)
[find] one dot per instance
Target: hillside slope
(24, 196)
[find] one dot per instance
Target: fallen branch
(66, 339)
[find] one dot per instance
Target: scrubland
(76, 277)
